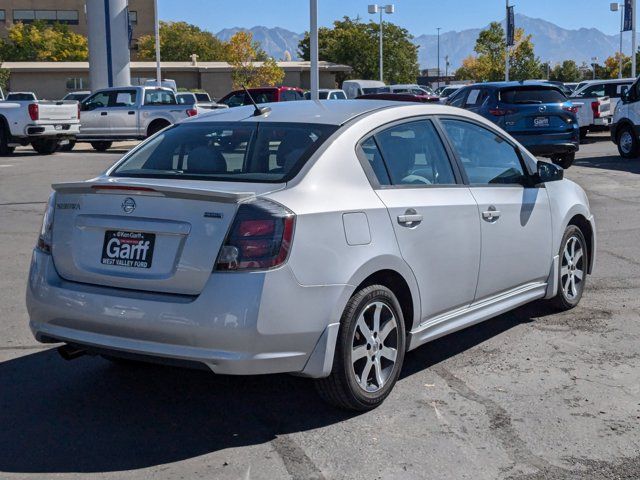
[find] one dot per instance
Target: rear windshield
(532, 95)
(203, 97)
(241, 152)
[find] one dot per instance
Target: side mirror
(625, 96)
(548, 172)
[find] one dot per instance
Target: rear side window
(531, 95)
(409, 154)
(242, 152)
(123, 98)
(159, 97)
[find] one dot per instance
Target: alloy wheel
(572, 270)
(374, 346)
(626, 141)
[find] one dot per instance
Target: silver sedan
(324, 239)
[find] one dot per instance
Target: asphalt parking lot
(528, 395)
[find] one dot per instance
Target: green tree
(39, 41)
(567, 71)
(179, 40)
(353, 43)
(242, 54)
(491, 50)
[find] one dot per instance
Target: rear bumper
(241, 324)
(49, 130)
(543, 147)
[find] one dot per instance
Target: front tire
(369, 351)
(45, 147)
(565, 160)
(573, 269)
(627, 143)
(101, 146)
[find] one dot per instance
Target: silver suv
(323, 238)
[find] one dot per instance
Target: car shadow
(91, 416)
(610, 162)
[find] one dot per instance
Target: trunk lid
(537, 118)
(145, 234)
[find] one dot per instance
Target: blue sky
(418, 16)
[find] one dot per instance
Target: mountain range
(552, 43)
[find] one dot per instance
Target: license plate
(57, 127)
(541, 122)
(128, 249)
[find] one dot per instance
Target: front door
(514, 215)
(123, 118)
(94, 115)
(434, 216)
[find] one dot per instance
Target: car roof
(327, 112)
(525, 83)
(609, 80)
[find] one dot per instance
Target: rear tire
(584, 131)
(627, 143)
(45, 147)
(5, 149)
(565, 160)
(572, 274)
(156, 127)
(369, 351)
(101, 146)
(68, 147)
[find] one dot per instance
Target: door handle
(131, 113)
(411, 218)
(491, 214)
(103, 113)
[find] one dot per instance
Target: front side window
(98, 100)
(457, 98)
(413, 154)
(487, 158)
(476, 97)
(242, 152)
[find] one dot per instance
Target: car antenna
(258, 111)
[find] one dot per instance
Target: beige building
(53, 80)
(73, 14)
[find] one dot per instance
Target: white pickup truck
(594, 113)
(44, 124)
(128, 113)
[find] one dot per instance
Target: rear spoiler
(151, 190)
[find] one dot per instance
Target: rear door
(515, 216)
(435, 217)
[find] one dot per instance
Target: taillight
(192, 112)
(44, 239)
(260, 237)
(595, 106)
(500, 112)
(570, 109)
(34, 111)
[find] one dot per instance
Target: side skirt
(476, 313)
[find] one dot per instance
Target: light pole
(439, 28)
(388, 9)
(594, 61)
(314, 79)
(156, 28)
(614, 7)
(506, 60)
